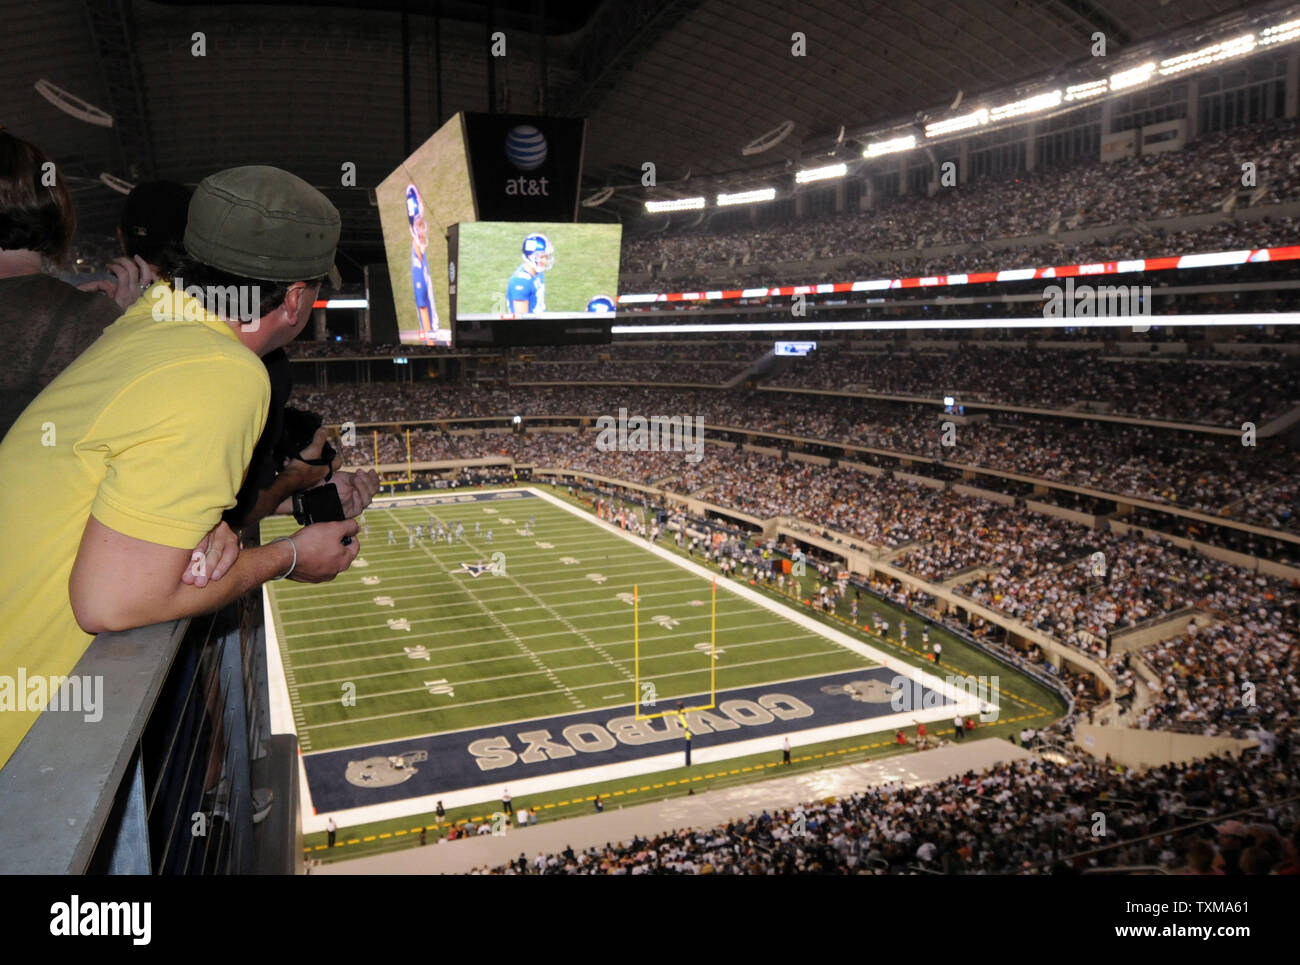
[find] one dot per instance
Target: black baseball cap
(154, 217)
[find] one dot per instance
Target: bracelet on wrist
(294, 547)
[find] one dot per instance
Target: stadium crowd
(1028, 817)
(1200, 178)
(1269, 231)
(1177, 391)
(1214, 474)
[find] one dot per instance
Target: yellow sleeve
(176, 444)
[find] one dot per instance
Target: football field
(509, 654)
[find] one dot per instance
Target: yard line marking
(471, 703)
(420, 668)
(518, 642)
(578, 632)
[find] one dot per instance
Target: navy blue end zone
(503, 754)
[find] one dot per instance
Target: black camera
(319, 505)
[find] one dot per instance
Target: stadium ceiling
(683, 83)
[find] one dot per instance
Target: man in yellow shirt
(126, 461)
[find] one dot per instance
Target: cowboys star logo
(476, 569)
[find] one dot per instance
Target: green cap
(264, 223)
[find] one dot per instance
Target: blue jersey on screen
(526, 286)
(422, 284)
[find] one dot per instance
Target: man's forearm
(256, 565)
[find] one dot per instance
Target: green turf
(545, 638)
(586, 265)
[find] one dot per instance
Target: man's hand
(212, 558)
(321, 553)
(297, 475)
(356, 490)
(132, 276)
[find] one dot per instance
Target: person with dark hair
(134, 451)
(1233, 838)
(1200, 858)
(1256, 861)
(44, 323)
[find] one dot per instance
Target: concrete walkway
(699, 810)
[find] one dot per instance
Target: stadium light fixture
(962, 123)
(1281, 33)
(597, 198)
(1039, 102)
(747, 197)
(821, 174)
(892, 146)
(681, 204)
(119, 185)
(1081, 92)
(765, 142)
(71, 104)
(1237, 47)
(1124, 79)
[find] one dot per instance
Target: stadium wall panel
(1142, 749)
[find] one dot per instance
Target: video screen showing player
(421, 281)
(526, 289)
(536, 270)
